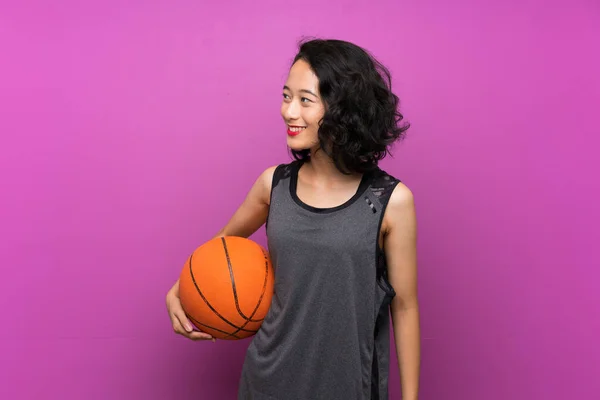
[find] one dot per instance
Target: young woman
(342, 238)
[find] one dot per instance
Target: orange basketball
(226, 287)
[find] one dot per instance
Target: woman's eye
(302, 99)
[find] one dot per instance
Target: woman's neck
(321, 168)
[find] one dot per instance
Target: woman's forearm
(408, 350)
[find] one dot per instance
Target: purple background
(130, 132)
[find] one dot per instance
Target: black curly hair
(361, 119)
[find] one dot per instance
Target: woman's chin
(296, 145)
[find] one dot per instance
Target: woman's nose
(292, 110)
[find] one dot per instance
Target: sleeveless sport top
(326, 334)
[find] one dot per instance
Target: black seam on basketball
(235, 296)
(211, 327)
(248, 319)
(208, 303)
(264, 289)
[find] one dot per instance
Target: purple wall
(130, 133)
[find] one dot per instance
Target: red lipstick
(294, 133)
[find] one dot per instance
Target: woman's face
(302, 108)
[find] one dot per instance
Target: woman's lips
(295, 130)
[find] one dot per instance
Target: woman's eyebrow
(302, 90)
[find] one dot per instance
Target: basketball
(226, 286)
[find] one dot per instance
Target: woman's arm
(401, 254)
(250, 215)
(253, 211)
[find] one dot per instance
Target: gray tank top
(326, 334)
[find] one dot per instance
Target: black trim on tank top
(380, 256)
(364, 184)
(383, 193)
(274, 182)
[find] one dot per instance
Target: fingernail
(188, 327)
(214, 340)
